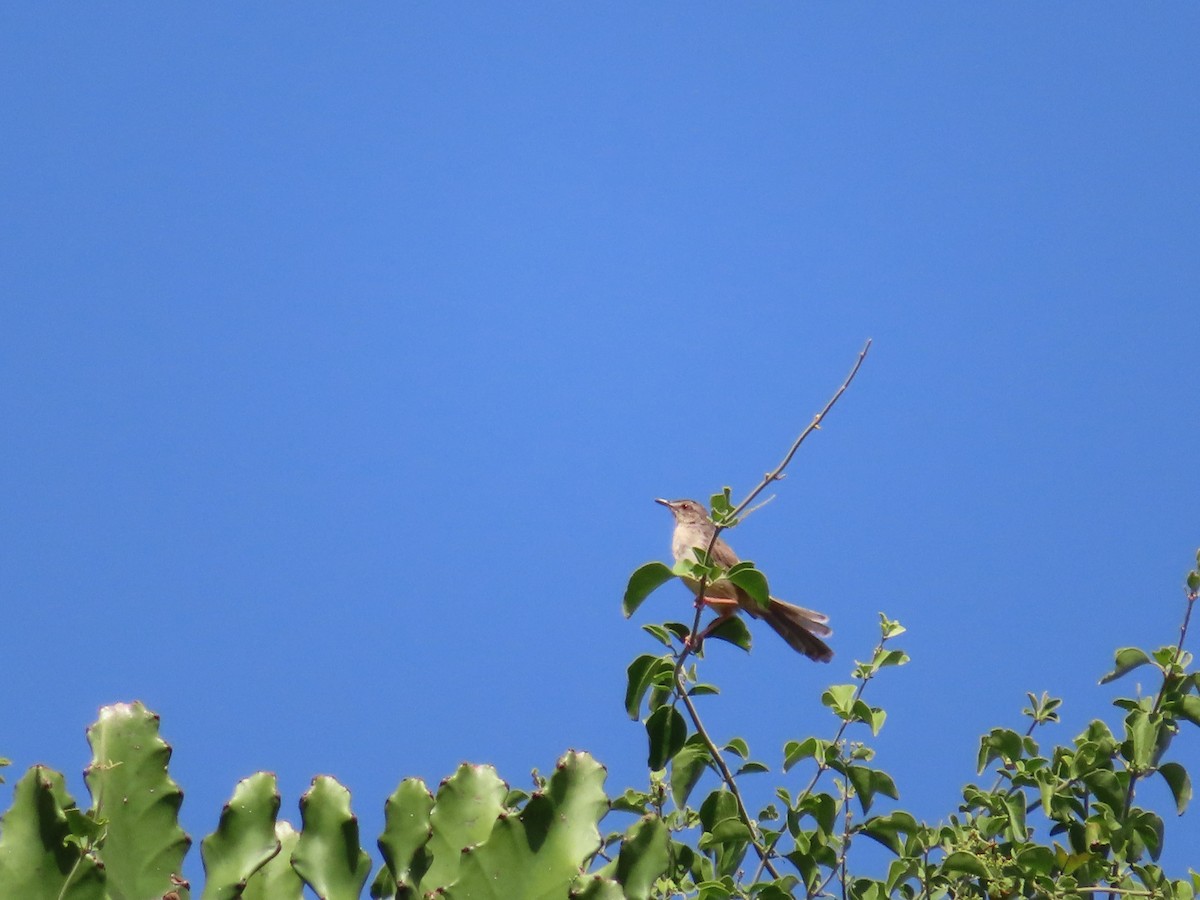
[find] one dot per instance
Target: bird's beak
(666, 503)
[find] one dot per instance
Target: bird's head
(685, 511)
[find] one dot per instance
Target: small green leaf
(1127, 659)
(667, 732)
(890, 628)
(678, 629)
(1003, 744)
(869, 782)
(722, 508)
(822, 807)
(1188, 708)
(752, 581)
(687, 766)
(751, 768)
(738, 746)
(839, 697)
(642, 583)
(809, 748)
(1036, 859)
(734, 631)
(1180, 784)
(1142, 733)
(888, 829)
(967, 863)
(891, 658)
(640, 675)
(659, 633)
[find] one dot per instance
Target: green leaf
(734, 631)
(667, 732)
(644, 857)
(718, 806)
(722, 508)
(1003, 744)
(751, 767)
(1149, 830)
(967, 863)
(869, 782)
(890, 628)
(659, 633)
(1177, 780)
(739, 747)
(728, 831)
(1142, 733)
(1037, 860)
(839, 698)
(678, 629)
(642, 583)
(1127, 659)
(823, 809)
(687, 766)
(752, 581)
(1015, 805)
(888, 829)
(1188, 708)
(245, 838)
(641, 674)
(328, 855)
(809, 748)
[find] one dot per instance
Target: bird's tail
(801, 628)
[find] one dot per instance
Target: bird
(802, 628)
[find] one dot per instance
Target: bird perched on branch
(801, 628)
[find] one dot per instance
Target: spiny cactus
(475, 840)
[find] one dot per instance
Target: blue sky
(344, 350)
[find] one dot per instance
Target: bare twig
(777, 473)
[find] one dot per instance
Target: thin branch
(815, 424)
(726, 776)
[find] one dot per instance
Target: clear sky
(344, 349)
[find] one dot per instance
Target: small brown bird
(801, 628)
